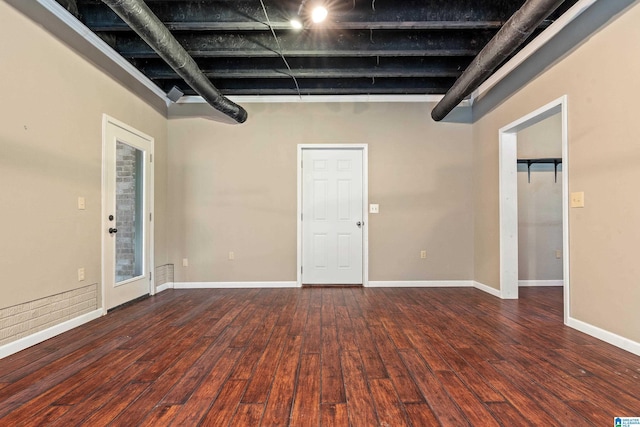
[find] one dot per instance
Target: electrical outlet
(577, 199)
(185, 262)
(558, 253)
(80, 274)
(423, 254)
(232, 256)
(81, 203)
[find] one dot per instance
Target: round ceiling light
(296, 24)
(319, 14)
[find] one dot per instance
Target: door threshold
(128, 303)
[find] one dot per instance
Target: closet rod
(555, 161)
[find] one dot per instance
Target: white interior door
(332, 216)
(126, 214)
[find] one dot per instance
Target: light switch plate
(374, 208)
(81, 203)
(81, 274)
(577, 199)
(185, 262)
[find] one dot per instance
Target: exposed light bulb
(296, 24)
(319, 14)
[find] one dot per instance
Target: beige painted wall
(233, 188)
(600, 79)
(51, 153)
(540, 202)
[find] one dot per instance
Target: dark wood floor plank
(368, 351)
(334, 415)
(27, 388)
(328, 356)
(101, 395)
(434, 393)
(57, 348)
(507, 415)
(107, 413)
(249, 360)
(43, 418)
(194, 409)
(420, 414)
(197, 364)
(161, 415)
(346, 334)
(602, 367)
(359, 400)
(472, 379)
(591, 412)
(398, 337)
(331, 371)
(278, 408)
(601, 392)
(313, 331)
(467, 401)
(153, 395)
(249, 327)
(262, 378)
(83, 381)
(248, 414)
(182, 341)
(225, 405)
(299, 320)
(389, 409)
(428, 352)
(398, 373)
(524, 403)
(328, 310)
(555, 407)
(351, 303)
(306, 404)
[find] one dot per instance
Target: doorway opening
(509, 280)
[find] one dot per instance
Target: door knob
(113, 230)
(360, 224)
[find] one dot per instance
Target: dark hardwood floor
(324, 356)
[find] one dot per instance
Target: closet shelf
(555, 161)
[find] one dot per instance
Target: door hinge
(300, 269)
(301, 216)
(150, 158)
(150, 217)
(149, 276)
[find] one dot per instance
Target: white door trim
(509, 199)
(365, 204)
(106, 120)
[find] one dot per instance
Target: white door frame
(365, 204)
(509, 199)
(150, 262)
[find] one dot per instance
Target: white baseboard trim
(488, 289)
(420, 284)
(38, 337)
(233, 285)
(533, 283)
(606, 336)
(164, 287)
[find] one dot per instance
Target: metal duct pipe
(512, 34)
(147, 25)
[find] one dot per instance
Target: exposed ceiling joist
(365, 47)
